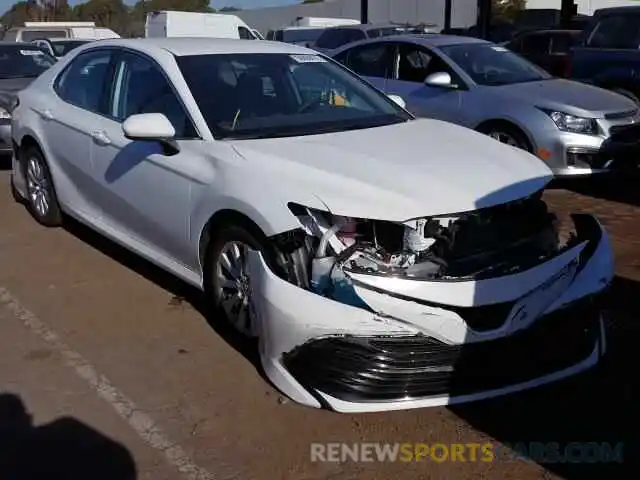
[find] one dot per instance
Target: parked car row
(488, 88)
(382, 261)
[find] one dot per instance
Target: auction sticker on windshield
(32, 53)
(500, 49)
(308, 58)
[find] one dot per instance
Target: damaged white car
(383, 262)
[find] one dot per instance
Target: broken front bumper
(427, 343)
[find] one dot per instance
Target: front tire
(41, 197)
(228, 282)
(508, 135)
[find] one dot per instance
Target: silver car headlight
(4, 114)
(573, 124)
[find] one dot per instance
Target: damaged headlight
(497, 240)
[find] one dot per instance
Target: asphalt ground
(109, 370)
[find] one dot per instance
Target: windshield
(303, 35)
(23, 61)
(62, 48)
(277, 95)
(489, 64)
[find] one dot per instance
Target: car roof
(614, 10)
(547, 31)
(183, 46)
(376, 26)
(19, 44)
(67, 40)
(427, 39)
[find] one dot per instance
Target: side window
(417, 63)
(28, 35)
(244, 33)
(84, 80)
(515, 45)
(342, 57)
(355, 35)
(372, 60)
(536, 44)
(140, 87)
(616, 32)
(414, 64)
(332, 38)
(562, 43)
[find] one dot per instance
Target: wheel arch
(508, 123)
(227, 216)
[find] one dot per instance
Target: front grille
(364, 369)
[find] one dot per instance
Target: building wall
(464, 12)
(585, 7)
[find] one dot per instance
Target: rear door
(68, 119)
(374, 62)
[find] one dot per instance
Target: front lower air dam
(417, 343)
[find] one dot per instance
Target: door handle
(100, 137)
(46, 114)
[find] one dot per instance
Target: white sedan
(383, 262)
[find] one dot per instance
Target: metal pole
(364, 11)
(447, 15)
(484, 18)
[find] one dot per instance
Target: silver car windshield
(492, 65)
(277, 95)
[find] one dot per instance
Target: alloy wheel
(504, 137)
(38, 187)
(234, 287)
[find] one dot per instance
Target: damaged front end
(364, 315)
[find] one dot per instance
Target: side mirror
(150, 127)
(398, 100)
(439, 79)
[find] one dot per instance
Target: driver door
(146, 191)
(414, 64)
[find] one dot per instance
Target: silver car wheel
(504, 137)
(38, 187)
(233, 284)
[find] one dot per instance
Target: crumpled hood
(568, 96)
(413, 169)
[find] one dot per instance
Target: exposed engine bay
(491, 242)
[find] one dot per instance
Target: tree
(508, 9)
(112, 14)
(229, 9)
(24, 11)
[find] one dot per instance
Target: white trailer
(169, 23)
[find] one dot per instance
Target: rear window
(616, 32)
(29, 35)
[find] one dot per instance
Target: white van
(80, 30)
(169, 23)
(321, 22)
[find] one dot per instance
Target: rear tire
(41, 198)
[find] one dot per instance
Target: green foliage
(114, 14)
(509, 9)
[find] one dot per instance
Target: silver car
(486, 87)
